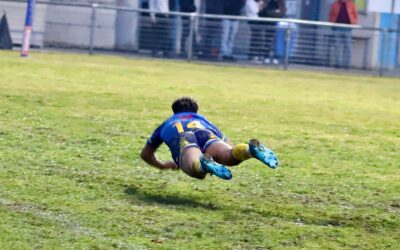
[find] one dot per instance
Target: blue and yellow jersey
(169, 132)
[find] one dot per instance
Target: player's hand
(170, 165)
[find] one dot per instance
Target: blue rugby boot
(263, 154)
(208, 165)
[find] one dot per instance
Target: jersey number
(193, 124)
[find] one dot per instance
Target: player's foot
(208, 165)
(263, 154)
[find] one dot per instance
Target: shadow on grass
(372, 224)
(166, 199)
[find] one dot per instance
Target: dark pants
(342, 40)
(268, 47)
(186, 23)
(212, 38)
(256, 40)
(161, 38)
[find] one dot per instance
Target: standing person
(274, 9)
(198, 147)
(343, 12)
(212, 30)
(252, 8)
(186, 6)
(230, 28)
(161, 27)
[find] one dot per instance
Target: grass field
(72, 126)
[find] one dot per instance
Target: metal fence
(235, 39)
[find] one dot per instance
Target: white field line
(65, 221)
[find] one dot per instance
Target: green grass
(72, 126)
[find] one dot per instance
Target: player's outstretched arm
(148, 155)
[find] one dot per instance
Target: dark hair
(185, 104)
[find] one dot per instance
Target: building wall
(16, 20)
(126, 26)
(71, 27)
(365, 43)
(392, 41)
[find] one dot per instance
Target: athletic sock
(197, 167)
(241, 152)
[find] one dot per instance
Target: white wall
(61, 25)
(16, 21)
(126, 26)
(70, 26)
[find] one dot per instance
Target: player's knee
(199, 176)
(202, 177)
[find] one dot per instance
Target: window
(361, 5)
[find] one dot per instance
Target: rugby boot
(208, 165)
(263, 154)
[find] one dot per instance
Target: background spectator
(186, 6)
(212, 29)
(230, 28)
(275, 9)
(344, 12)
(161, 27)
(252, 8)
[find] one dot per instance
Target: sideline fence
(264, 41)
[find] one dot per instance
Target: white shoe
(267, 61)
(255, 59)
(275, 61)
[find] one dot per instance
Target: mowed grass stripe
(58, 219)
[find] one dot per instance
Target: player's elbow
(144, 155)
(147, 154)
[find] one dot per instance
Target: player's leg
(222, 153)
(225, 154)
(196, 164)
(231, 156)
(190, 162)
